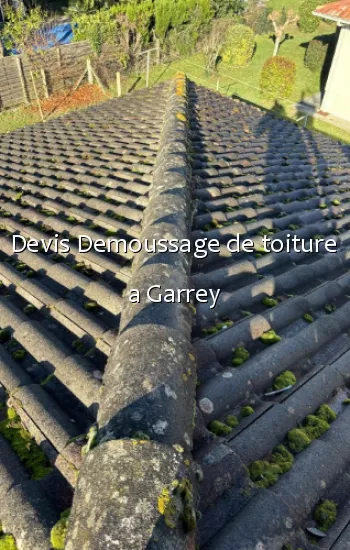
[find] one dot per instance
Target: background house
(336, 98)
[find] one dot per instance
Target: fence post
(37, 97)
(119, 86)
(59, 61)
(89, 71)
(147, 68)
(21, 77)
(43, 76)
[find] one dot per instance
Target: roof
(86, 173)
(336, 11)
(196, 164)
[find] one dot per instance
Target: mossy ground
(32, 457)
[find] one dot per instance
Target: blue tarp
(60, 34)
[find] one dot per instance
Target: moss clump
(283, 458)
(315, 427)
(90, 305)
(298, 440)
(4, 335)
(219, 428)
(326, 413)
(325, 514)
(330, 308)
(346, 401)
(142, 436)
(32, 457)
(29, 308)
(269, 337)
(263, 473)
(19, 354)
(212, 330)
(240, 356)
(246, 411)
(308, 318)
(59, 531)
(287, 378)
(7, 542)
(336, 202)
(232, 420)
(269, 302)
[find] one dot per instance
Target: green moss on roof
(269, 302)
(326, 413)
(315, 427)
(219, 428)
(25, 447)
(325, 514)
(263, 473)
(59, 531)
(7, 542)
(247, 411)
(308, 318)
(269, 337)
(298, 440)
(240, 356)
(283, 458)
(285, 379)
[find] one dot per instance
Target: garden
(260, 50)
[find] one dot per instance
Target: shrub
(239, 46)
(256, 17)
(316, 55)
(308, 22)
(278, 77)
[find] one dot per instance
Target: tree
(280, 25)
(224, 8)
(21, 27)
(213, 42)
(175, 14)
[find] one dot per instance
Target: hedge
(239, 46)
(278, 77)
(316, 55)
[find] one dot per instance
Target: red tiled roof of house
(338, 11)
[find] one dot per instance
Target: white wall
(337, 95)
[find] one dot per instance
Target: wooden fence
(55, 70)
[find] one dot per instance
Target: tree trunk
(277, 44)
